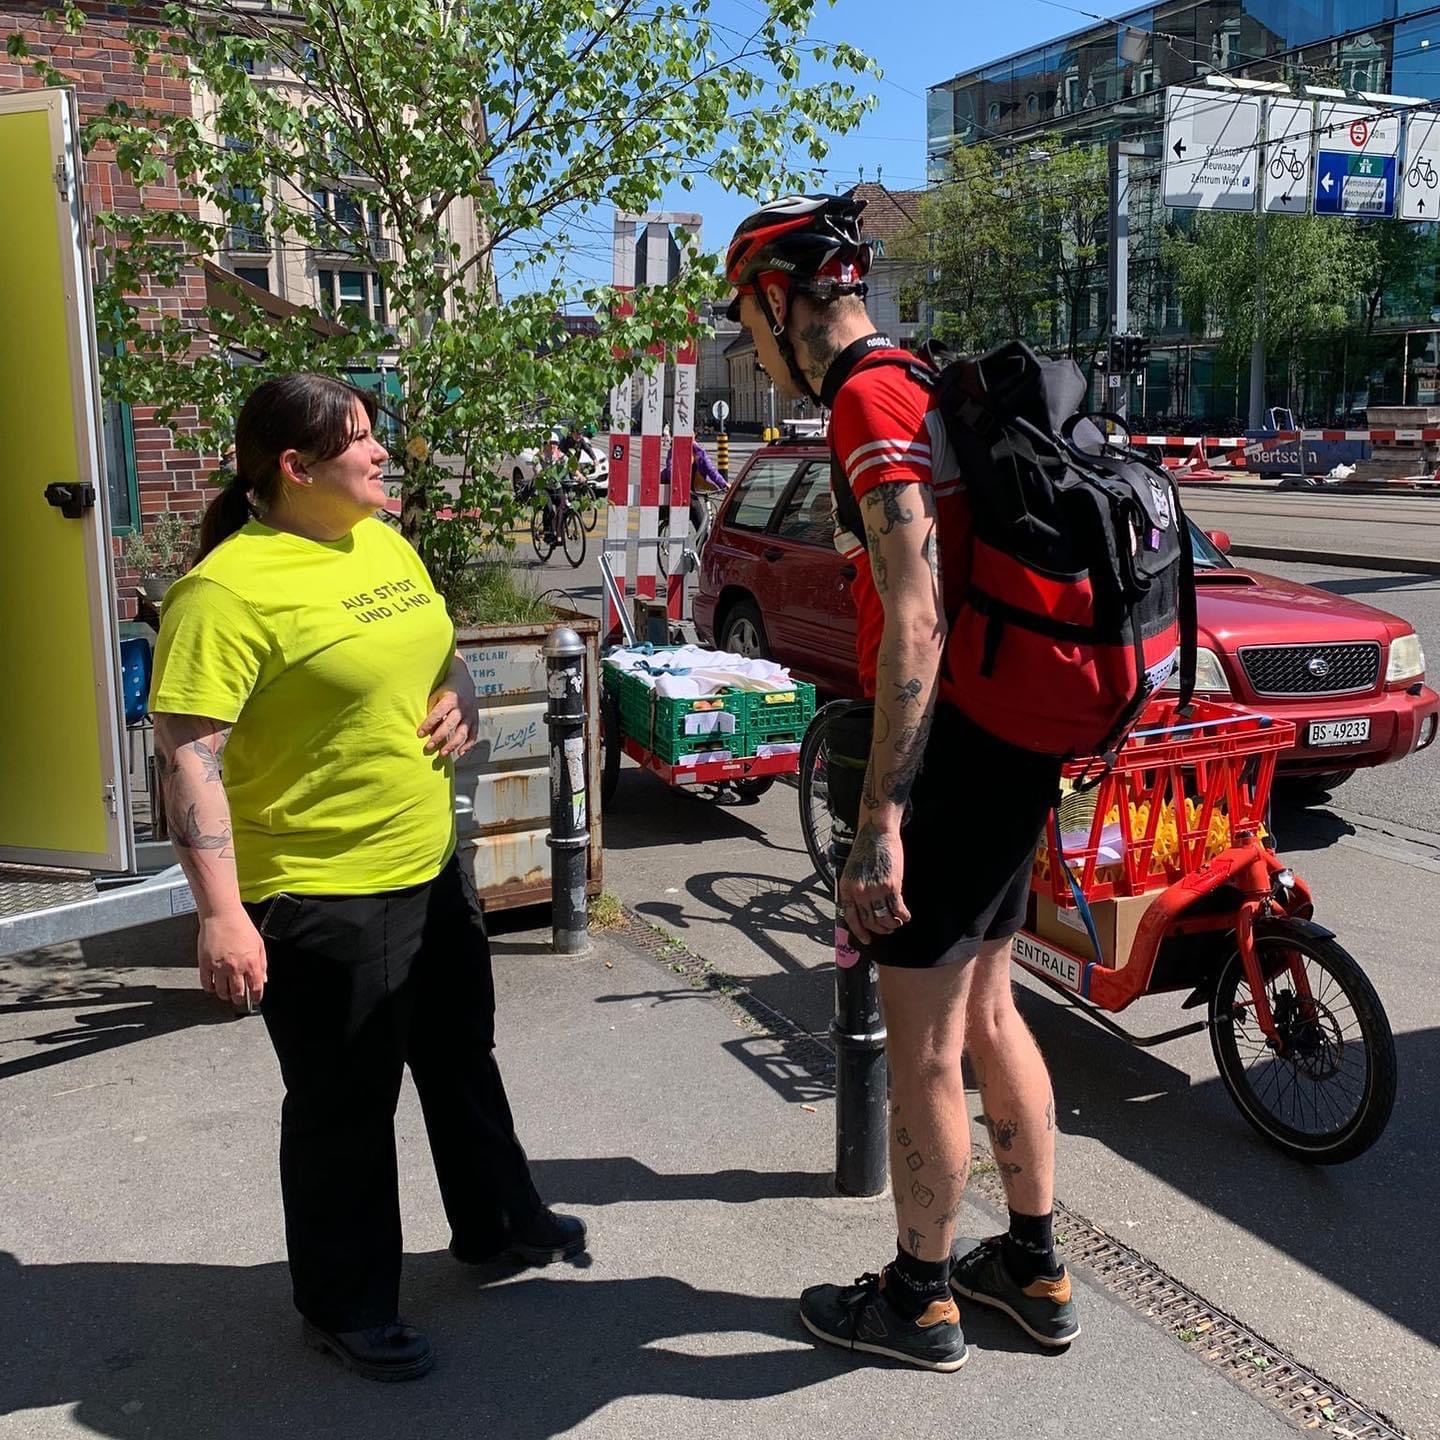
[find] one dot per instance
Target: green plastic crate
(782, 715)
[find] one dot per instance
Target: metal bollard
(722, 454)
(862, 1109)
(569, 837)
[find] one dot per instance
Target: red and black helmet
(807, 238)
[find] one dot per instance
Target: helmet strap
(787, 349)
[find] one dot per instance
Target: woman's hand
(232, 958)
(453, 724)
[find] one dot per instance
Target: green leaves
(1008, 245)
(482, 142)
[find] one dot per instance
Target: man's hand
(870, 887)
(232, 958)
(453, 724)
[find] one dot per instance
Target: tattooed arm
(900, 531)
(189, 749)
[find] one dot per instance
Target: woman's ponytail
(224, 515)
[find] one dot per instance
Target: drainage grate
(1253, 1363)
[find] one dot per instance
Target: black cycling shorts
(977, 812)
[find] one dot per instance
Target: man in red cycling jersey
(947, 822)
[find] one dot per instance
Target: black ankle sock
(1029, 1248)
(916, 1283)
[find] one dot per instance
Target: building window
(349, 224)
(1032, 104)
(909, 309)
(118, 434)
(255, 274)
(247, 215)
(994, 111)
(361, 290)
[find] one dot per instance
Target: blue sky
(917, 43)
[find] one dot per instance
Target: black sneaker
(1044, 1309)
(544, 1238)
(387, 1352)
(861, 1317)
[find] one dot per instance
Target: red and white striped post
(635, 468)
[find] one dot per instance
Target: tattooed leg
(1014, 1085)
(929, 1124)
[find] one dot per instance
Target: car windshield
(1207, 555)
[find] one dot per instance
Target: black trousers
(359, 986)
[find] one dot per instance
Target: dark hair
(310, 413)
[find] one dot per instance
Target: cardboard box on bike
(1116, 922)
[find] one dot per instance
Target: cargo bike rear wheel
(1325, 1093)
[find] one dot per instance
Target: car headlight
(1407, 660)
(1209, 673)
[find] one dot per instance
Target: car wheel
(744, 632)
(1312, 789)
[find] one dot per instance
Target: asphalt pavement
(1151, 1148)
(144, 1296)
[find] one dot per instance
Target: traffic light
(1127, 354)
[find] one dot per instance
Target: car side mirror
(1220, 539)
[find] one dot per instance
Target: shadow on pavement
(213, 1352)
(1299, 828)
(1191, 1136)
(647, 813)
(612, 1180)
(1374, 584)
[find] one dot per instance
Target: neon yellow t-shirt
(324, 655)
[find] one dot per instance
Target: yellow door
(63, 788)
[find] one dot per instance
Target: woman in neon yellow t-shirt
(309, 704)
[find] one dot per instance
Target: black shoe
(861, 1317)
(1044, 1309)
(386, 1352)
(544, 1238)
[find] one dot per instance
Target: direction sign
(1356, 165)
(1211, 149)
(1289, 143)
(1420, 195)
(720, 412)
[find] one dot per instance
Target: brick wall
(98, 62)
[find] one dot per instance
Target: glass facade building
(1083, 87)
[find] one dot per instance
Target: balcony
(244, 241)
(356, 247)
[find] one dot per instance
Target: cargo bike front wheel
(1323, 1091)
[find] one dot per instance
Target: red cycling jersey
(884, 430)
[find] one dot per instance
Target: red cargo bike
(1181, 893)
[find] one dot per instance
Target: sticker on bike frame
(1036, 955)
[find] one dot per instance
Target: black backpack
(1080, 602)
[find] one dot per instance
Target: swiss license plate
(1339, 732)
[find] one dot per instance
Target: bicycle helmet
(810, 244)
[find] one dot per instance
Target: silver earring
(777, 330)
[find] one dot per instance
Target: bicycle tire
(589, 507)
(543, 548)
(610, 748)
(815, 796)
(1315, 1047)
(572, 538)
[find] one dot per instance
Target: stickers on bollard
(575, 763)
(846, 954)
(559, 681)
(577, 811)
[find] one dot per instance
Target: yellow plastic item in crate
(1166, 853)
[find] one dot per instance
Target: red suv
(1350, 676)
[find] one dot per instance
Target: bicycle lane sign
(1289, 142)
(1420, 194)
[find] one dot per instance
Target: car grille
(1292, 669)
